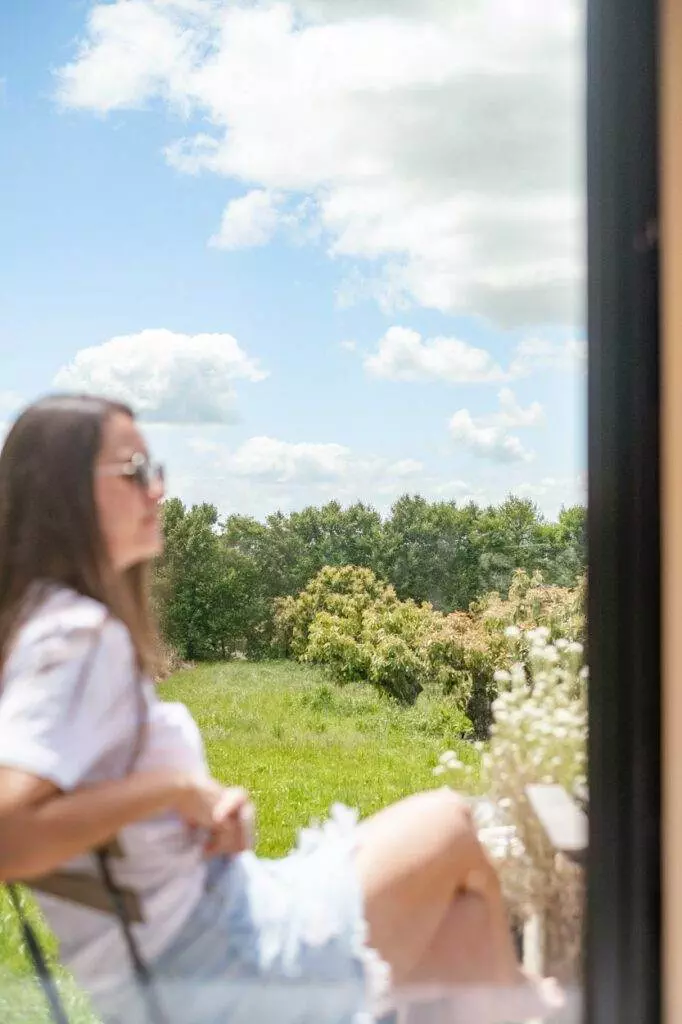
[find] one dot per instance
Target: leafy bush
(345, 592)
(351, 622)
(462, 659)
(393, 637)
(396, 667)
(331, 641)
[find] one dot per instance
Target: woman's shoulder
(65, 624)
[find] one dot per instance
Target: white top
(72, 730)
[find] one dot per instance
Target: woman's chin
(142, 554)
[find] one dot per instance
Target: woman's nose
(157, 490)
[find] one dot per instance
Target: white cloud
(549, 493)
(534, 354)
(133, 50)
(403, 354)
(248, 221)
(453, 487)
(511, 414)
(265, 473)
(460, 491)
(438, 145)
(256, 479)
(281, 461)
(487, 436)
(565, 490)
(166, 377)
(272, 460)
(338, 10)
(486, 442)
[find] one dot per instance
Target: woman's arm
(41, 828)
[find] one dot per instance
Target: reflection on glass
(331, 251)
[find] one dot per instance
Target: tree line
(216, 584)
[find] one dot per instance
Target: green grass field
(298, 743)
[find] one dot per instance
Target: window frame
(623, 915)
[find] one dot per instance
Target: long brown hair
(49, 528)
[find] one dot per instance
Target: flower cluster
(539, 730)
(538, 735)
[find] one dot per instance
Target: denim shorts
(271, 942)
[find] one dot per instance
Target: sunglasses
(139, 470)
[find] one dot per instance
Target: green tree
(570, 551)
(333, 535)
(189, 578)
(208, 594)
(216, 587)
(431, 551)
(509, 538)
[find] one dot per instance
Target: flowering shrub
(333, 641)
(344, 592)
(396, 667)
(352, 622)
(530, 603)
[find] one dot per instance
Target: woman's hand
(233, 820)
(225, 813)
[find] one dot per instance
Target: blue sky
(327, 248)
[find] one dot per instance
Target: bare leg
(463, 950)
(417, 860)
(414, 859)
(458, 979)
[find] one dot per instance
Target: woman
(89, 753)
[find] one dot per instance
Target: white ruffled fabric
(340, 830)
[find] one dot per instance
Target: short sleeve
(68, 699)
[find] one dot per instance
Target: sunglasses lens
(142, 476)
(145, 473)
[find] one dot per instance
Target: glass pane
(331, 252)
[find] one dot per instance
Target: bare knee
(459, 844)
(444, 820)
(453, 814)
(430, 836)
